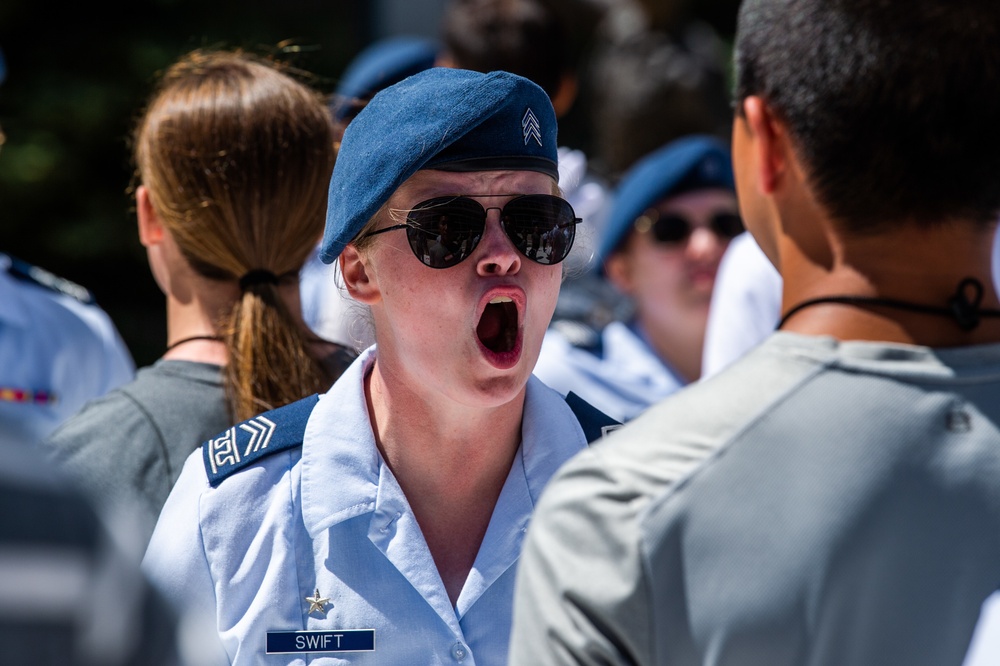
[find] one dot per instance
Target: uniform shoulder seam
(22, 270)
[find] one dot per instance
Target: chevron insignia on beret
(530, 127)
(245, 443)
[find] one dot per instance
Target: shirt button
(459, 651)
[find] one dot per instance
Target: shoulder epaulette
(595, 423)
(26, 272)
(247, 442)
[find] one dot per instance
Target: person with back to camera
(671, 218)
(831, 497)
(381, 522)
(58, 348)
(233, 157)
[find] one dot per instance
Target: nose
(496, 254)
(704, 244)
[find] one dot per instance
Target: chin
(500, 390)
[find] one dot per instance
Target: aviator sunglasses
(444, 231)
(675, 229)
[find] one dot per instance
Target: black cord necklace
(216, 338)
(962, 306)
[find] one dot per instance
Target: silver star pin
(317, 603)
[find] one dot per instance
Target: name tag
(348, 640)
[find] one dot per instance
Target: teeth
(500, 299)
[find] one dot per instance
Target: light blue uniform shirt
(56, 353)
(328, 520)
(625, 379)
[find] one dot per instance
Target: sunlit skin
(817, 257)
(426, 319)
(671, 284)
(447, 417)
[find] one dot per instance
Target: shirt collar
(342, 470)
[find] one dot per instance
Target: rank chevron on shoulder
(245, 443)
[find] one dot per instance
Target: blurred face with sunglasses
(462, 272)
(667, 264)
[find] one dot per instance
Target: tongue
(490, 327)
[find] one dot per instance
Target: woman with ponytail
(233, 157)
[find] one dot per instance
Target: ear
(618, 269)
(444, 59)
(355, 270)
(151, 230)
(565, 95)
(769, 143)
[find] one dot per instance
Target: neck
(678, 340)
(925, 274)
(451, 464)
(191, 319)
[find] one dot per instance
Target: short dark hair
(524, 37)
(893, 106)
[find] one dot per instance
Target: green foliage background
(77, 76)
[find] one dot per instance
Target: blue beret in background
(380, 65)
(440, 118)
(691, 163)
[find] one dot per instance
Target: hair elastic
(257, 276)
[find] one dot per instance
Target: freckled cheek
(432, 304)
(547, 291)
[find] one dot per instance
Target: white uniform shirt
(328, 520)
(56, 353)
(746, 304)
(622, 381)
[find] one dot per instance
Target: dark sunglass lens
(671, 229)
(542, 227)
(444, 231)
(727, 225)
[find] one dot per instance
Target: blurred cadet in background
(671, 219)
(71, 593)
(233, 158)
(326, 306)
(58, 349)
(655, 74)
(379, 65)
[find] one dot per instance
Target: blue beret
(380, 65)
(440, 118)
(691, 163)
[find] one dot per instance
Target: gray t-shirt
(129, 445)
(816, 503)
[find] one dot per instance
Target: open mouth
(497, 327)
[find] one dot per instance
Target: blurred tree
(74, 85)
